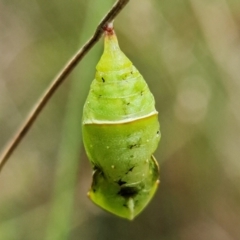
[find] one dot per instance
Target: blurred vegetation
(189, 53)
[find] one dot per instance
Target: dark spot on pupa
(96, 167)
(127, 192)
(131, 156)
(97, 174)
(120, 182)
(133, 146)
(103, 80)
(128, 103)
(130, 169)
(141, 93)
(158, 132)
(100, 95)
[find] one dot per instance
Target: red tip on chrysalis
(108, 29)
(110, 38)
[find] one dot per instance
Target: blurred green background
(188, 52)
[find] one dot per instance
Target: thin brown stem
(110, 16)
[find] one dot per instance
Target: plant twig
(110, 16)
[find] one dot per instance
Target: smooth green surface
(116, 148)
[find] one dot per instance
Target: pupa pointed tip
(109, 29)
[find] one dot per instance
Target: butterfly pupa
(121, 132)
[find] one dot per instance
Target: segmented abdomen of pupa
(119, 92)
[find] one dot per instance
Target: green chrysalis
(120, 133)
